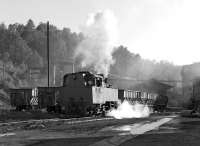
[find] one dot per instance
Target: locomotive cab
(84, 79)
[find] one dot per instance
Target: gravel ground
(62, 133)
(179, 132)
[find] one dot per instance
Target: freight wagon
(46, 97)
(20, 98)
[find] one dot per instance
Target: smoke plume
(126, 110)
(101, 36)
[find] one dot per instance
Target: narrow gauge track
(65, 121)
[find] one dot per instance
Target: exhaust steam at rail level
(127, 110)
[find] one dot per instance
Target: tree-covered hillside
(23, 52)
(23, 57)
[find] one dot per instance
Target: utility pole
(54, 75)
(4, 70)
(48, 49)
(73, 69)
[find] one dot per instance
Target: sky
(156, 29)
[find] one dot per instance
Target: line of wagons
(82, 93)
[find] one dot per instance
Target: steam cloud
(126, 110)
(101, 36)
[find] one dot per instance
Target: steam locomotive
(84, 93)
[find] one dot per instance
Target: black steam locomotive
(83, 93)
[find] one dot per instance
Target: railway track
(57, 120)
(64, 121)
(46, 123)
